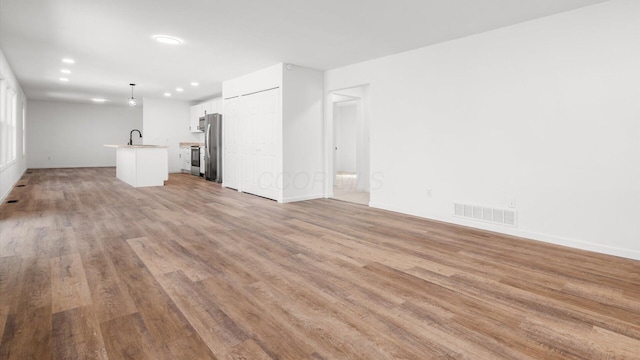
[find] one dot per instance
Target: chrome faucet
(131, 134)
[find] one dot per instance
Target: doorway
(350, 168)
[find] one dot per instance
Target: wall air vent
(486, 214)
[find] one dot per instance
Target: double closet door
(253, 143)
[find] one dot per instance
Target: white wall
(62, 134)
(346, 122)
(545, 112)
(166, 122)
(12, 172)
(302, 112)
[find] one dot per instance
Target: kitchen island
(142, 165)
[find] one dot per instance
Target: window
(13, 133)
(24, 131)
(8, 123)
(3, 121)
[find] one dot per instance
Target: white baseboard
(3, 197)
(302, 198)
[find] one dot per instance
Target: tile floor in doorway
(345, 189)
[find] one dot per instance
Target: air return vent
(486, 214)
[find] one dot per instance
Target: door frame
(343, 94)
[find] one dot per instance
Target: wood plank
(27, 335)
(162, 318)
(36, 283)
(69, 283)
(191, 347)
(217, 330)
(126, 337)
(110, 298)
(76, 334)
(11, 273)
(248, 350)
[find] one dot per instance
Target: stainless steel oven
(195, 160)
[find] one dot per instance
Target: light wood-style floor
(93, 268)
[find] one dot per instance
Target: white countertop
(136, 146)
(190, 144)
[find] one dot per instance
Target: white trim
(4, 196)
(302, 198)
(8, 165)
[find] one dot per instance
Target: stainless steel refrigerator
(213, 147)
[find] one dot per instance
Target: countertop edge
(136, 146)
(190, 144)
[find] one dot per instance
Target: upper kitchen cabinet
(215, 106)
(194, 118)
(200, 110)
(273, 133)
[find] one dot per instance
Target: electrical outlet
(428, 192)
(512, 202)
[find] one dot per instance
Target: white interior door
(267, 139)
(231, 161)
(259, 129)
(249, 106)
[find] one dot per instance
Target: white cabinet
(202, 165)
(185, 159)
(142, 165)
(199, 110)
(215, 106)
(273, 133)
(195, 118)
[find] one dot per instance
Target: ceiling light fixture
(165, 39)
(63, 79)
(194, 84)
(132, 100)
(179, 89)
(65, 71)
(167, 94)
(68, 61)
(98, 100)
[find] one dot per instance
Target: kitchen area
(269, 141)
(147, 160)
(263, 136)
(204, 158)
(181, 126)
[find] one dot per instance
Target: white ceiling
(111, 40)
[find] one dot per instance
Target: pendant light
(132, 100)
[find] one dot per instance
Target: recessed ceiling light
(179, 89)
(98, 100)
(165, 39)
(68, 61)
(167, 94)
(65, 71)
(64, 79)
(194, 84)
